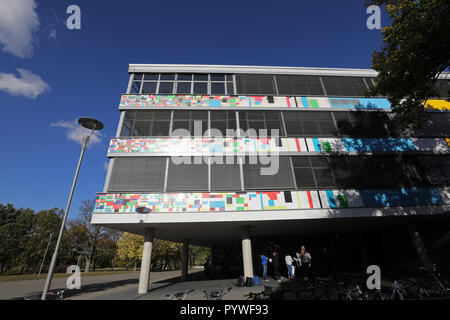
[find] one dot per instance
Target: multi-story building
(293, 150)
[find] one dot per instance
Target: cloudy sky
(50, 75)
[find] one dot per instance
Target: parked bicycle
(179, 295)
(216, 294)
(51, 295)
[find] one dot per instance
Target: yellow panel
(448, 141)
(438, 104)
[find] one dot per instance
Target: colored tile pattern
(272, 200)
(232, 146)
(171, 101)
(148, 101)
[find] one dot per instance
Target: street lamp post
(91, 124)
(45, 255)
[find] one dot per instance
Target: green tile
(342, 201)
(313, 103)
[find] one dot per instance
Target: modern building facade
(210, 155)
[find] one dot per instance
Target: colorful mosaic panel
(272, 200)
(174, 101)
(147, 101)
(232, 146)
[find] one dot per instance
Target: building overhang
(203, 68)
(224, 227)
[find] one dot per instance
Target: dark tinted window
(146, 123)
(225, 176)
(138, 174)
(187, 177)
(254, 180)
(261, 121)
(363, 172)
(344, 86)
(299, 85)
(255, 84)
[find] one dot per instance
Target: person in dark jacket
(275, 264)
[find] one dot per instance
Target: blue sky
(74, 73)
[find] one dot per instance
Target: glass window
(200, 87)
(149, 87)
(293, 124)
(225, 177)
(160, 128)
(161, 115)
(258, 84)
(344, 86)
(138, 174)
(167, 76)
(262, 122)
(217, 88)
(299, 85)
(136, 87)
(126, 128)
(165, 87)
(201, 77)
(184, 87)
(144, 115)
(223, 120)
(185, 76)
(146, 123)
(254, 180)
(230, 88)
(187, 177)
(130, 114)
(196, 122)
(137, 76)
(217, 77)
(141, 128)
(151, 76)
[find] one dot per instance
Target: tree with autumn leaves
(166, 255)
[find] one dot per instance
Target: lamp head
(90, 123)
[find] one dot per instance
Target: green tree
(166, 255)
(198, 255)
(34, 242)
(415, 51)
(129, 249)
(24, 235)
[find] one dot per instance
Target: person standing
(289, 261)
(275, 264)
(264, 265)
(306, 264)
(298, 264)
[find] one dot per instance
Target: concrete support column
(184, 260)
(420, 247)
(247, 257)
(144, 277)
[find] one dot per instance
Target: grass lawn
(16, 277)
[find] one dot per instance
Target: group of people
(298, 265)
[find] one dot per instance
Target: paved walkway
(111, 286)
(124, 287)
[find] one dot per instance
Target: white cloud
(52, 34)
(105, 165)
(18, 22)
(28, 84)
(76, 133)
